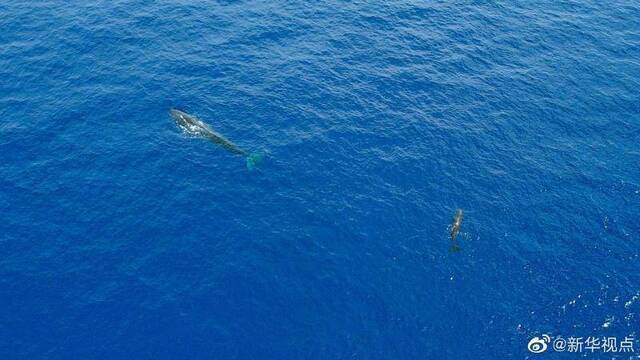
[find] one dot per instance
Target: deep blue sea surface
(123, 238)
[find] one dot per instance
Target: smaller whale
(194, 126)
(455, 229)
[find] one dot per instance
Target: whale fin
(455, 248)
(252, 160)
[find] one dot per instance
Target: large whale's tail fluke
(253, 159)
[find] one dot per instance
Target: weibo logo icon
(538, 345)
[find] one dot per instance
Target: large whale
(194, 126)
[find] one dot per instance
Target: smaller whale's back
(455, 225)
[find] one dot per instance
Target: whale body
(455, 225)
(194, 126)
(455, 229)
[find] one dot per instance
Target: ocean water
(123, 238)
